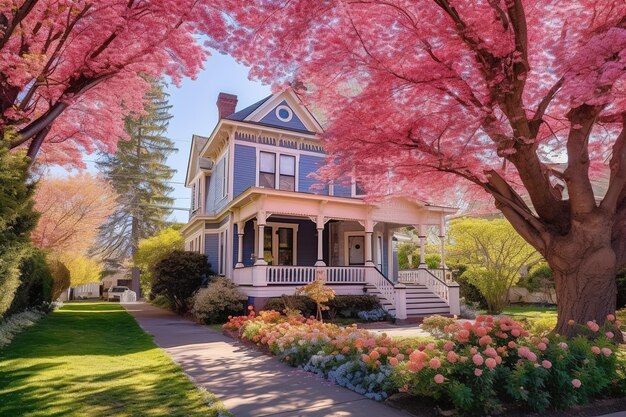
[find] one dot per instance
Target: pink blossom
(610, 317)
(393, 361)
(485, 340)
(571, 322)
(610, 335)
(478, 359)
(478, 372)
(516, 332)
(563, 345)
(439, 379)
(448, 345)
(491, 352)
(596, 350)
(490, 363)
(576, 383)
(452, 357)
(606, 351)
(593, 326)
(511, 344)
(435, 363)
(542, 346)
(546, 364)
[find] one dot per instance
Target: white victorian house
(259, 220)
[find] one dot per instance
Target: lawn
(92, 359)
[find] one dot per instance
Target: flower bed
(476, 367)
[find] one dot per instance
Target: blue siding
(294, 123)
(342, 189)
(215, 184)
(211, 249)
(245, 169)
(308, 165)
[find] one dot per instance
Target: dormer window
(271, 163)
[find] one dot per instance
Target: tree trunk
(584, 267)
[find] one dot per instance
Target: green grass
(92, 359)
(530, 312)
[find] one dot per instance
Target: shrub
(538, 279)
(178, 276)
(433, 260)
(377, 314)
(542, 326)
(218, 301)
(467, 290)
(60, 278)
(161, 301)
(319, 292)
(35, 283)
(436, 324)
(347, 306)
(152, 249)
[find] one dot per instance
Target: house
(257, 216)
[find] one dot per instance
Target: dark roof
(242, 114)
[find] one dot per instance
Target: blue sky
(195, 111)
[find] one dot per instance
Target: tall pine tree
(140, 176)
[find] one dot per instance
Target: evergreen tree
(140, 176)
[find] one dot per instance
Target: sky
(195, 112)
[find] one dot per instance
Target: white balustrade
(434, 280)
(410, 277)
(382, 284)
(344, 275)
(290, 274)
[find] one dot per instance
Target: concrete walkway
(249, 383)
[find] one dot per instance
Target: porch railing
(426, 277)
(304, 274)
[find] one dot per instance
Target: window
(225, 175)
(267, 170)
(223, 238)
(287, 180)
(194, 200)
(285, 246)
(358, 190)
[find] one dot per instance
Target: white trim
(379, 252)
(353, 189)
(231, 163)
(294, 102)
(346, 246)
(277, 225)
(289, 113)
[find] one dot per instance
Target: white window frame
(274, 227)
(278, 153)
(354, 194)
(225, 175)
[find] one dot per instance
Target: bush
(377, 314)
(347, 306)
(467, 290)
(35, 283)
(151, 250)
(538, 279)
(219, 300)
(61, 278)
(178, 276)
(436, 324)
(433, 260)
(161, 301)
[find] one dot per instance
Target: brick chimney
(226, 104)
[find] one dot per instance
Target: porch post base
(259, 276)
(320, 263)
(260, 262)
(369, 263)
(239, 265)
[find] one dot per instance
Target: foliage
(433, 260)
(476, 367)
(61, 279)
(493, 255)
(219, 300)
(437, 324)
(82, 269)
(488, 101)
(17, 220)
(404, 250)
(72, 209)
(161, 301)
(127, 374)
(152, 250)
(142, 204)
(69, 90)
(319, 292)
(18, 322)
(377, 314)
(347, 306)
(35, 282)
(178, 276)
(539, 278)
(468, 291)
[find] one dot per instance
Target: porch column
(369, 232)
(422, 238)
(319, 224)
(442, 238)
(240, 232)
(260, 258)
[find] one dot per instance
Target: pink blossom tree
(425, 96)
(70, 70)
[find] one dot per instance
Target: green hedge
(347, 306)
(36, 283)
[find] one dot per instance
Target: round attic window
(284, 113)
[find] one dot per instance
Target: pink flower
(478, 372)
(448, 346)
(473, 351)
(374, 355)
(435, 363)
(576, 383)
(610, 317)
(546, 364)
(477, 359)
(542, 346)
(595, 350)
(394, 351)
(393, 361)
(516, 332)
(511, 344)
(480, 331)
(531, 356)
(490, 363)
(610, 335)
(571, 322)
(563, 345)
(439, 379)
(606, 352)
(452, 357)
(400, 357)
(485, 340)
(491, 352)
(593, 326)
(463, 335)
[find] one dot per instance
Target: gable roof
(193, 163)
(243, 113)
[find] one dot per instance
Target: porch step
(420, 302)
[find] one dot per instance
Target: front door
(278, 245)
(356, 250)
